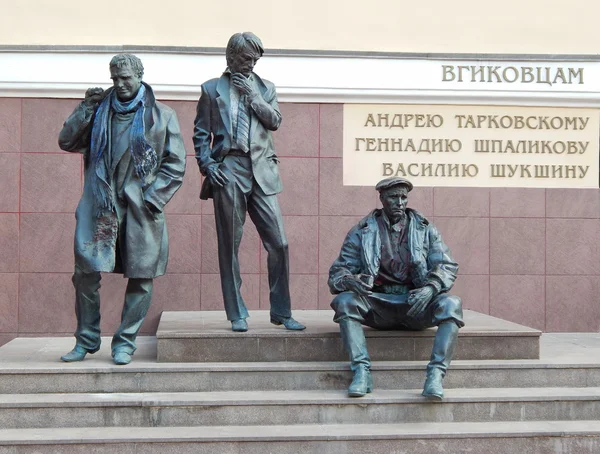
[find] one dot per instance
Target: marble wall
(527, 255)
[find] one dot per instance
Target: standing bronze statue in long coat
(134, 161)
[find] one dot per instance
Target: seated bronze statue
(394, 272)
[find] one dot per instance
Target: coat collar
(370, 221)
(224, 102)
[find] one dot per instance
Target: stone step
(279, 377)
(207, 337)
(533, 437)
(32, 365)
(295, 408)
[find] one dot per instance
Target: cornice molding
(356, 78)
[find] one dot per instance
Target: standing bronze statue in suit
(134, 163)
(234, 148)
(394, 272)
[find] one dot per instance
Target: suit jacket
(431, 263)
(213, 132)
(143, 239)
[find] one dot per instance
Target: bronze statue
(394, 272)
(134, 161)
(234, 148)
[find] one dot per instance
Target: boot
(362, 383)
(355, 344)
(441, 355)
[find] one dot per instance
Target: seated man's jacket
(431, 263)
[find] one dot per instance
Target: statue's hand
(216, 176)
(93, 96)
(354, 284)
(243, 85)
(419, 299)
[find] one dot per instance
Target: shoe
(433, 389)
(289, 323)
(239, 326)
(121, 358)
(362, 383)
(77, 354)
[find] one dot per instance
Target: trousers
(389, 311)
(239, 196)
(138, 297)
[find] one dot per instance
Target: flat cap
(393, 181)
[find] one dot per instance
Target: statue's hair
(130, 60)
(241, 42)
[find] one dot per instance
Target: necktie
(243, 125)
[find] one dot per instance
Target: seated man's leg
(446, 313)
(350, 311)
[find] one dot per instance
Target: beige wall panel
(509, 26)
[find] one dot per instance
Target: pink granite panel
(9, 297)
(10, 167)
(10, 125)
(573, 203)
(206, 206)
(300, 194)
(6, 338)
(520, 299)
(47, 242)
(474, 290)
(249, 253)
(572, 304)
(210, 258)
(186, 112)
(332, 231)
(468, 240)
(303, 291)
(517, 246)
(303, 238)
(9, 243)
(517, 202)
(572, 246)
(211, 297)
(298, 134)
(172, 292)
(46, 303)
(185, 253)
(325, 296)
(461, 202)
(42, 121)
(331, 128)
(187, 199)
(337, 199)
(420, 199)
(50, 182)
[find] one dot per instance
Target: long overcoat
(142, 248)
(431, 262)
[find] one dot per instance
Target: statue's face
(243, 62)
(126, 82)
(394, 202)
